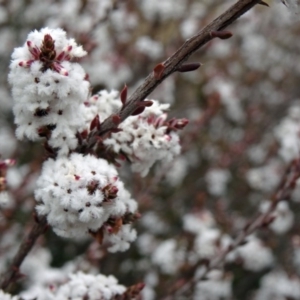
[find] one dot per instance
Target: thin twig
(13, 273)
(173, 63)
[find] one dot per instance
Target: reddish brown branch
(173, 63)
(13, 272)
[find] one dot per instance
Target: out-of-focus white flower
(164, 9)
(8, 142)
(47, 89)
(5, 296)
(198, 222)
(168, 256)
(284, 217)
(217, 180)
(218, 286)
(255, 255)
(177, 171)
(229, 98)
(206, 243)
(79, 286)
(149, 47)
(94, 287)
(80, 193)
(278, 285)
(287, 134)
(154, 223)
(265, 178)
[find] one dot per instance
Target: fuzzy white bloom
(177, 171)
(284, 217)
(149, 47)
(265, 178)
(120, 241)
(278, 285)
(144, 139)
(154, 223)
(255, 255)
(218, 286)
(168, 256)
(79, 286)
(217, 180)
(198, 222)
(47, 89)
(4, 199)
(5, 296)
(80, 193)
(164, 9)
(287, 134)
(206, 243)
(8, 142)
(104, 104)
(210, 242)
(93, 287)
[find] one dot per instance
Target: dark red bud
(95, 123)
(138, 111)
(123, 95)
(158, 71)
(180, 123)
(223, 35)
(84, 134)
(110, 192)
(189, 67)
(116, 130)
(147, 103)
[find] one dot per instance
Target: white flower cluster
(284, 217)
(254, 255)
(209, 240)
(103, 104)
(82, 194)
(169, 256)
(48, 88)
(278, 285)
(93, 287)
(79, 286)
(145, 139)
(217, 286)
(5, 296)
(217, 180)
(287, 134)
